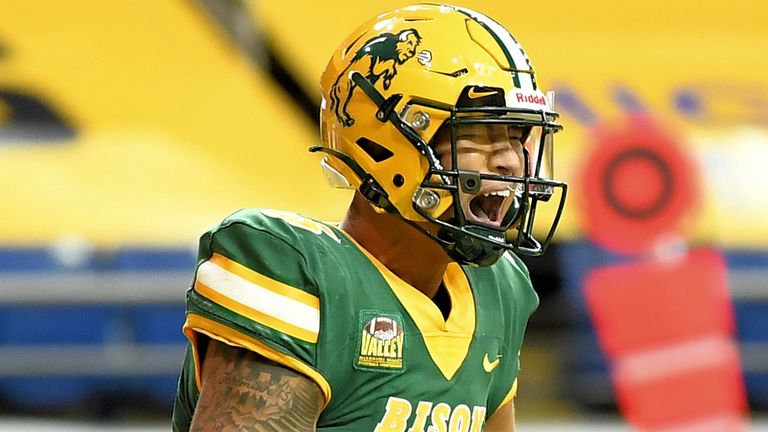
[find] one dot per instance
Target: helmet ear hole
(376, 151)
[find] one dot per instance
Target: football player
(409, 315)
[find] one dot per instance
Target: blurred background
(128, 128)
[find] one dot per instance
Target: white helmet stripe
(518, 56)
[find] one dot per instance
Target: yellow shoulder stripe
(256, 315)
(260, 298)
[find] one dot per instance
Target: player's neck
(404, 250)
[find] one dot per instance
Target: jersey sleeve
(252, 289)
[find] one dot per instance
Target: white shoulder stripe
(259, 298)
(516, 51)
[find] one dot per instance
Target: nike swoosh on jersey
(474, 94)
(488, 365)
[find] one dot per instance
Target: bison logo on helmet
(378, 58)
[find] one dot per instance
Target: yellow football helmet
(401, 76)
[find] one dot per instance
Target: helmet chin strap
(471, 249)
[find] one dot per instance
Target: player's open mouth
(488, 208)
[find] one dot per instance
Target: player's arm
(503, 420)
(244, 391)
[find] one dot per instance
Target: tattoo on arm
(244, 391)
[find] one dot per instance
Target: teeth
(501, 193)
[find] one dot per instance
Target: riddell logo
(531, 98)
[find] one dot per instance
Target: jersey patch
(381, 342)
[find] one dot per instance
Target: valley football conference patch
(381, 342)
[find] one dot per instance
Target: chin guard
(471, 249)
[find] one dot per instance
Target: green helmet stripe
(516, 57)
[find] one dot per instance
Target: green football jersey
(303, 294)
